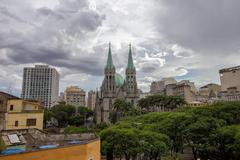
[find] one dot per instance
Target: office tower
(41, 83)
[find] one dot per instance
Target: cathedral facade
(114, 86)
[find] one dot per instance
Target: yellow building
(23, 114)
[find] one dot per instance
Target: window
(16, 123)
(11, 107)
(31, 122)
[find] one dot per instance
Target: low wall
(87, 151)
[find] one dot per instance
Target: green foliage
(67, 115)
(100, 127)
(74, 130)
(133, 143)
(226, 142)
(2, 145)
(121, 110)
(155, 103)
(212, 132)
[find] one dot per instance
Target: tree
(66, 115)
(122, 109)
(198, 133)
(156, 103)
(119, 142)
(211, 131)
(226, 143)
(63, 114)
(173, 125)
(153, 145)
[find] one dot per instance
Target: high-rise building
(159, 86)
(91, 100)
(230, 84)
(184, 88)
(41, 83)
(230, 77)
(114, 86)
(75, 96)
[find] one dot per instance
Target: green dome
(119, 81)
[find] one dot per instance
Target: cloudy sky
(186, 39)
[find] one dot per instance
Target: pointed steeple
(130, 59)
(109, 60)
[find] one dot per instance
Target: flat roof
(229, 69)
(37, 140)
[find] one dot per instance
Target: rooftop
(229, 69)
(34, 140)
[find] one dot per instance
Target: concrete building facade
(210, 90)
(75, 96)
(4, 97)
(91, 100)
(230, 77)
(159, 86)
(230, 84)
(41, 83)
(23, 114)
(185, 89)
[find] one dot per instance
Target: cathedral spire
(109, 60)
(130, 59)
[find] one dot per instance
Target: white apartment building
(41, 83)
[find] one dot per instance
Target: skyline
(73, 36)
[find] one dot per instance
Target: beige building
(210, 90)
(4, 97)
(159, 86)
(24, 114)
(91, 100)
(185, 89)
(230, 77)
(75, 96)
(230, 84)
(232, 94)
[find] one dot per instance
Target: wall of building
(19, 111)
(10, 119)
(230, 78)
(75, 96)
(89, 151)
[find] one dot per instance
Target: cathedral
(114, 86)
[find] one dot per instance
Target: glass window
(16, 123)
(11, 107)
(31, 122)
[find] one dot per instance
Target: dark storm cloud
(50, 39)
(202, 25)
(54, 56)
